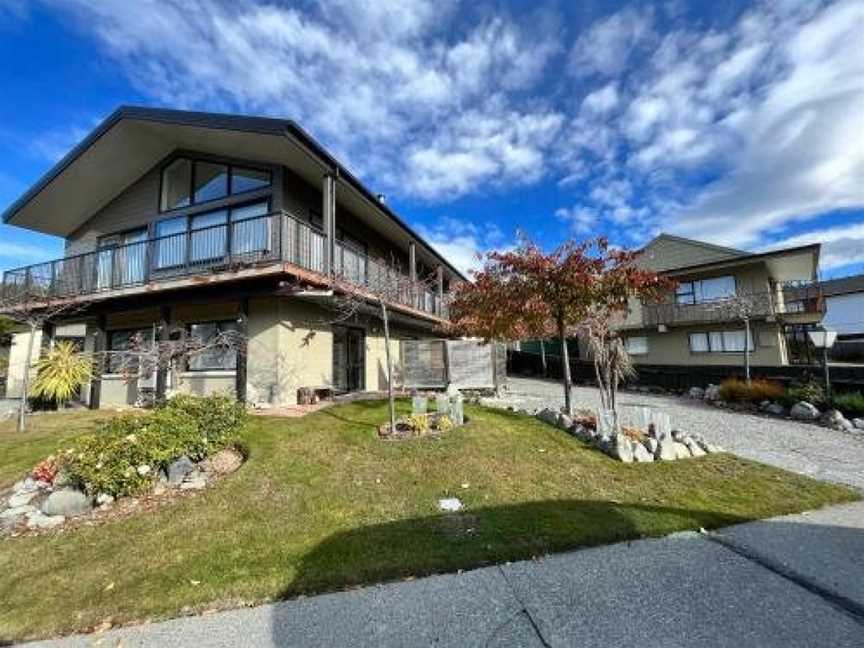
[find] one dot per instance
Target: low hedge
(734, 390)
(126, 453)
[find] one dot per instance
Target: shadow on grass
(483, 536)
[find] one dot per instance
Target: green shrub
(219, 418)
(113, 459)
(811, 391)
(851, 404)
(734, 390)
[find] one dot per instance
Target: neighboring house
(201, 223)
(694, 326)
(844, 303)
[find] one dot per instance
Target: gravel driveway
(801, 447)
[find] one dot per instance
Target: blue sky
(738, 123)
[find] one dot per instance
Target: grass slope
(323, 504)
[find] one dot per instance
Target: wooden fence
(467, 364)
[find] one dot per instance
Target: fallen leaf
(195, 582)
(109, 587)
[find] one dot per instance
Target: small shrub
(46, 470)
(811, 391)
(734, 390)
(851, 404)
(126, 452)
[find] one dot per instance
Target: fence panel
(471, 365)
(424, 363)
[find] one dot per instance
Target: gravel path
(801, 447)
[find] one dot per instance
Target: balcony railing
(272, 238)
(805, 300)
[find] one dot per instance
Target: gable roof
(149, 124)
(668, 252)
(843, 286)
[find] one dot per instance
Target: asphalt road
(785, 582)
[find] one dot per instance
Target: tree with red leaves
(526, 293)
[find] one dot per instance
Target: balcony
(803, 301)
(272, 239)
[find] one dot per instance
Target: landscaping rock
(680, 450)
(17, 511)
(622, 448)
(696, 392)
(548, 415)
(804, 411)
(178, 469)
(858, 423)
(68, 502)
(39, 520)
(223, 462)
(26, 485)
(104, 499)
(776, 409)
(194, 484)
(20, 499)
(694, 448)
(565, 422)
(666, 450)
(652, 444)
(641, 453)
(712, 393)
(835, 420)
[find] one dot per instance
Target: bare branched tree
(172, 353)
(612, 363)
(31, 306)
(742, 307)
(371, 290)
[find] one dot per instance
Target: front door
(349, 359)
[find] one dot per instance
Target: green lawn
(323, 504)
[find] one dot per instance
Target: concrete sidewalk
(789, 581)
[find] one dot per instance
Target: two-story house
(701, 323)
(201, 223)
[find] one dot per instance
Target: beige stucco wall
(673, 347)
(290, 346)
(376, 361)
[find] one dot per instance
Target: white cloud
(462, 243)
(370, 79)
(602, 100)
(581, 220)
(605, 48)
(55, 143)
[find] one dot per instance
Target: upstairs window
(705, 290)
(188, 182)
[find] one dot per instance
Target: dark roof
(843, 286)
(252, 124)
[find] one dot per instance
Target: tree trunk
(543, 358)
(747, 350)
(391, 401)
(565, 373)
(25, 381)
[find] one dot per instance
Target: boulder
(17, 511)
(622, 448)
(548, 415)
(68, 502)
(652, 444)
(39, 520)
(104, 499)
(680, 450)
(804, 411)
(27, 485)
(194, 484)
(694, 447)
(696, 392)
(178, 469)
(776, 409)
(641, 453)
(712, 393)
(858, 423)
(565, 422)
(20, 499)
(666, 450)
(835, 419)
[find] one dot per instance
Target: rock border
(33, 507)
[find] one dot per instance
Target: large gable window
(705, 290)
(188, 182)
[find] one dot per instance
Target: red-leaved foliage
(46, 470)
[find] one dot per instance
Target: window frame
(109, 335)
(218, 322)
(709, 335)
(636, 337)
(229, 167)
(695, 292)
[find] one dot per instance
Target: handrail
(273, 237)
